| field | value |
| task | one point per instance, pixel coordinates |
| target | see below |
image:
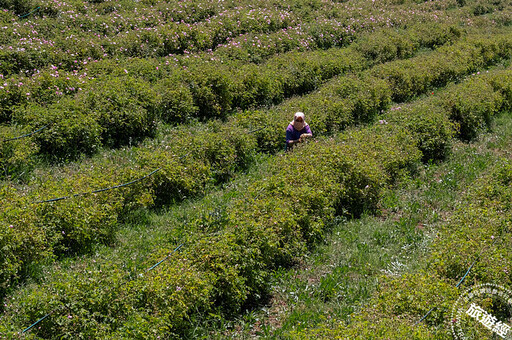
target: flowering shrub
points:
(472, 106)
(409, 78)
(71, 130)
(11, 95)
(21, 240)
(428, 123)
(124, 107)
(501, 82)
(175, 102)
(20, 7)
(16, 156)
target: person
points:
(297, 131)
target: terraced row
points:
(206, 89)
(226, 263)
(193, 158)
(120, 108)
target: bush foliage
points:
(224, 78)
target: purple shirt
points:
(293, 134)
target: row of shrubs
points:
(381, 46)
(230, 149)
(217, 85)
(215, 154)
(268, 224)
(106, 238)
(139, 36)
(130, 31)
(356, 89)
(227, 268)
(351, 99)
(128, 108)
(476, 236)
(189, 162)
(151, 32)
(219, 168)
(214, 100)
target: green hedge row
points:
(178, 38)
(172, 183)
(209, 156)
(264, 228)
(216, 154)
(128, 107)
(189, 162)
(384, 49)
(110, 112)
(268, 224)
(196, 88)
(161, 30)
(212, 155)
(141, 32)
(409, 78)
(461, 110)
(354, 99)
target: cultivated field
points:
(146, 194)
